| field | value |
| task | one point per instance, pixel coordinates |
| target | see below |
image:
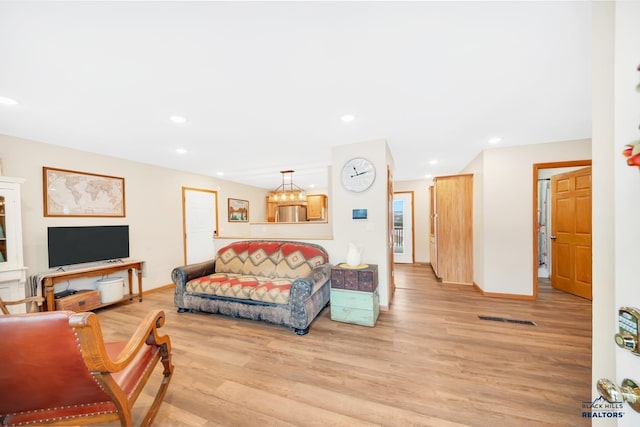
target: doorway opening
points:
(403, 236)
(541, 235)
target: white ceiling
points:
(264, 84)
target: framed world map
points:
(72, 193)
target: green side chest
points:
(361, 308)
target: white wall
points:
(370, 234)
(154, 208)
(153, 204)
(476, 167)
(505, 220)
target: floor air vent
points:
(504, 319)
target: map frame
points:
(115, 208)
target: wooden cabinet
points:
(355, 279)
(360, 308)
(272, 208)
(13, 274)
(451, 219)
(317, 207)
(354, 294)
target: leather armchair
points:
(56, 369)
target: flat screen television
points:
(77, 245)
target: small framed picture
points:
(238, 210)
(359, 214)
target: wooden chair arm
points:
(87, 328)
(32, 304)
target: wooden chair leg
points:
(167, 373)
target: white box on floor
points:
(110, 289)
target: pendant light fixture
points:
(287, 192)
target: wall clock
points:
(358, 174)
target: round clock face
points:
(358, 174)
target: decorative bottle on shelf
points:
(354, 255)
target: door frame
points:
(184, 215)
(534, 224)
(391, 274)
(412, 209)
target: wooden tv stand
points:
(50, 279)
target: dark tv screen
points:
(77, 245)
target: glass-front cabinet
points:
(12, 269)
(3, 226)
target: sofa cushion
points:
(298, 260)
(276, 291)
(262, 259)
(231, 258)
(240, 286)
(206, 284)
(237, 287)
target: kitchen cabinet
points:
(317, 207)
(272, 208)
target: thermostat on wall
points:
(359, 214)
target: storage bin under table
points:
(81, 301)
(354, 294)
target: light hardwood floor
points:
(429, 361)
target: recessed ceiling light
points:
(220, 173)
(178, 119)
(5, 100)
(433, 162)
(181, 151)
(348, 118)
(495, 140)
(428, 175)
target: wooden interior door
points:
(571, 232)
(200, 224)
(454, 228)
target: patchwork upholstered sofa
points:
(281, 282)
